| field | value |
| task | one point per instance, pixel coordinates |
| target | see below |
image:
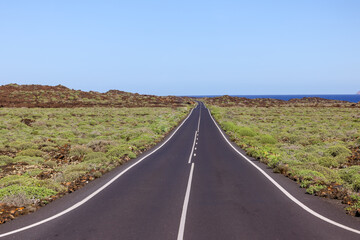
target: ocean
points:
(343, 97)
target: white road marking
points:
(192, 149)
(185, 206)
(198, 128)
(194, 154)
(292, 198)
(95, 192)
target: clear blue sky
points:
(183, 47)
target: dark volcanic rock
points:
(14, 95)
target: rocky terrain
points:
(229, 101)
(13, 95)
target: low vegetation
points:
(14, 95)
(316, 146)
(229, 101)
(45, 153)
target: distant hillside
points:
(229, 101)
(14, 95)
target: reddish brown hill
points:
(228, 101)
(14, 95)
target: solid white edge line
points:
(292, 198)
(95, 192)
(192, 149)
(185, 206)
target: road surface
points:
(194, 185)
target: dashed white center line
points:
(187, 194)
(198, 128)
(185, 206)
(192, 149)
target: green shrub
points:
(5, 160)
(30, 153)
(72, 172)
(50, 164)
(116, 153)
(97, 174)
(29, 160)
(241, 131)
(328, 162)
(79, 150)
(71, 176)
(23, 145)
(329, 174)
(33, 172)
(52, 185)
(356, 183)
(99, 145)
(267, 139)
(29, 192)
(307, 174)
(94, 155)
(305, 156)
(348, 173)
(18, 180)
(338, 150)
(98, 162)
(143, 141)
(92, 122)
(315, 188)
(351, 175)
(245, 131)
(49, 149)
(274, 160)
(18, 199)
(229, 126)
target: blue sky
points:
(183, 47)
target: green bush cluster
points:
(29, 192)
(79, 150)
(5, 160)
(116, 153)
(29, 160)
(99, 138)
(240, 130)
(267, 139)
(313, 143)
(351, 175)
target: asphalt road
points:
(195, 186)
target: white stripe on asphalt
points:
(199, 120)
(192, 149)
(292, 198)
(185, 206)
(97, 191)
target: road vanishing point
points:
(195, 184)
